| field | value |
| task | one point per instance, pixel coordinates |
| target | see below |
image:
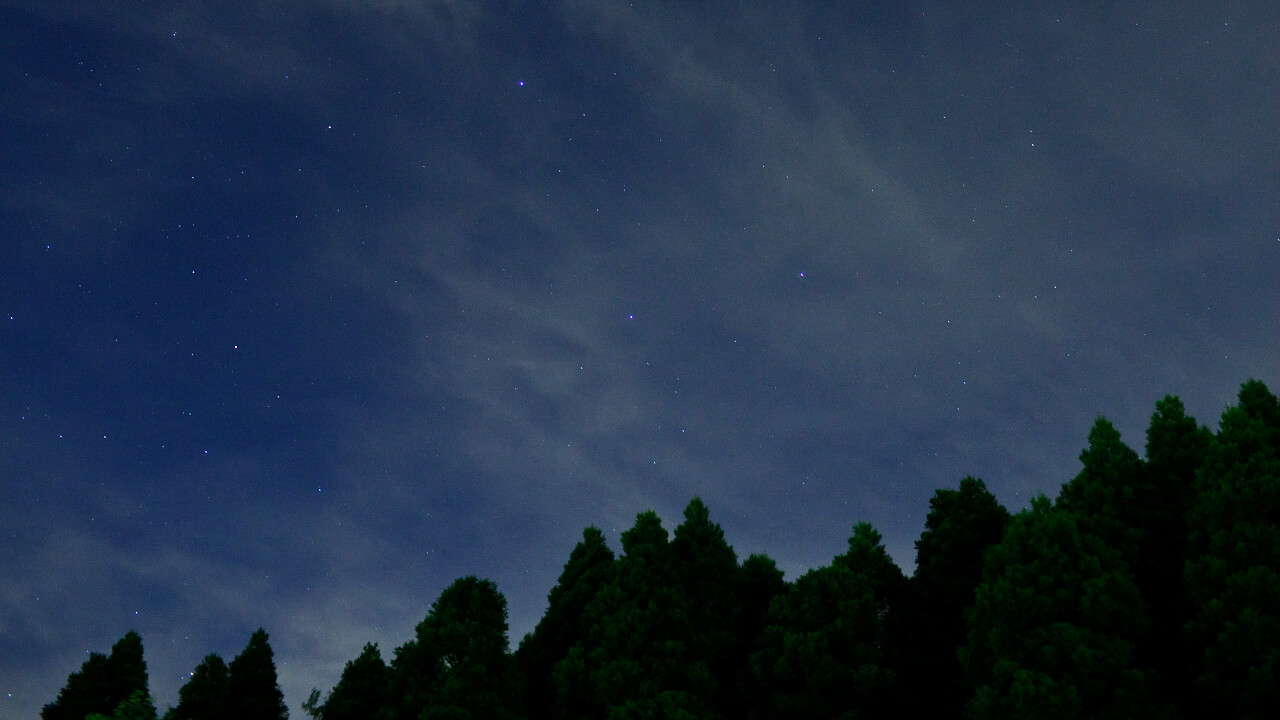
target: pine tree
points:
(706, 568)
(960, 526)
(361, 692)
(207, 694)
(635, 660)
(103, 682)
(822, 653)
(1176, 448)
(1053, 626)
(1233, 574)
(252, 688)
(589, 568)
(760, 583)
(137, 706)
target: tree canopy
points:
(1148, 588)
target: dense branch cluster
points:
(1149, 588)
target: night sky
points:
(308, 308)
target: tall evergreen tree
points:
(824, 651)
(253, 693)
(961, 525)
(1136, 509)
(760, 583)
(361, 692)
(706, 568)
(1053, 626)
(590, 567)
(1233, 574)
(207, 694)
(1176, 448)
(103, 682)
(867, 556)
(635, 661)
(1106, 496)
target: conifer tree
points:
(962, 523)
(706, 568)
(1176, 448)
(1053, 626)
(760, 583)
(1108, 495)
(253, 693)
(103, 683)
(1233, 574)
(361, 692)
(635, 660)
(824, 651)
(822, 654)
(207, 694)
(589, 568)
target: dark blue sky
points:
(309, 308)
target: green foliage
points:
(1106, 496)
(1233, 572)
(206, 695)
(104, 683)
(457, 665)
(1150, 589)
(821, 655)
(1053, 625)
(253, 693)
(1176, 449)
(961, 525)
(867, 557)
(361, 692)
(589, 568)
(313, 706)
(137, 706)
(639, 656)
(706, 568)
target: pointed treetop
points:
(645, 535)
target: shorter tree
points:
(206, 695)
(361, 692)
(103, 683)
(821, 655)
(457, 666)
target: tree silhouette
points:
(361, 692)
(589, 568)
(253, 693)
(458, 666)
(960, 526)
(103, 683)
(1052, 629)
(206, 695)
(636, 659)
(1233, 574)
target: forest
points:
(1148, 588)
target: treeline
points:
(114, 687)
(1149, 588)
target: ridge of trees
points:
(1149, 588)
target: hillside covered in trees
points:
(1148, 588)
